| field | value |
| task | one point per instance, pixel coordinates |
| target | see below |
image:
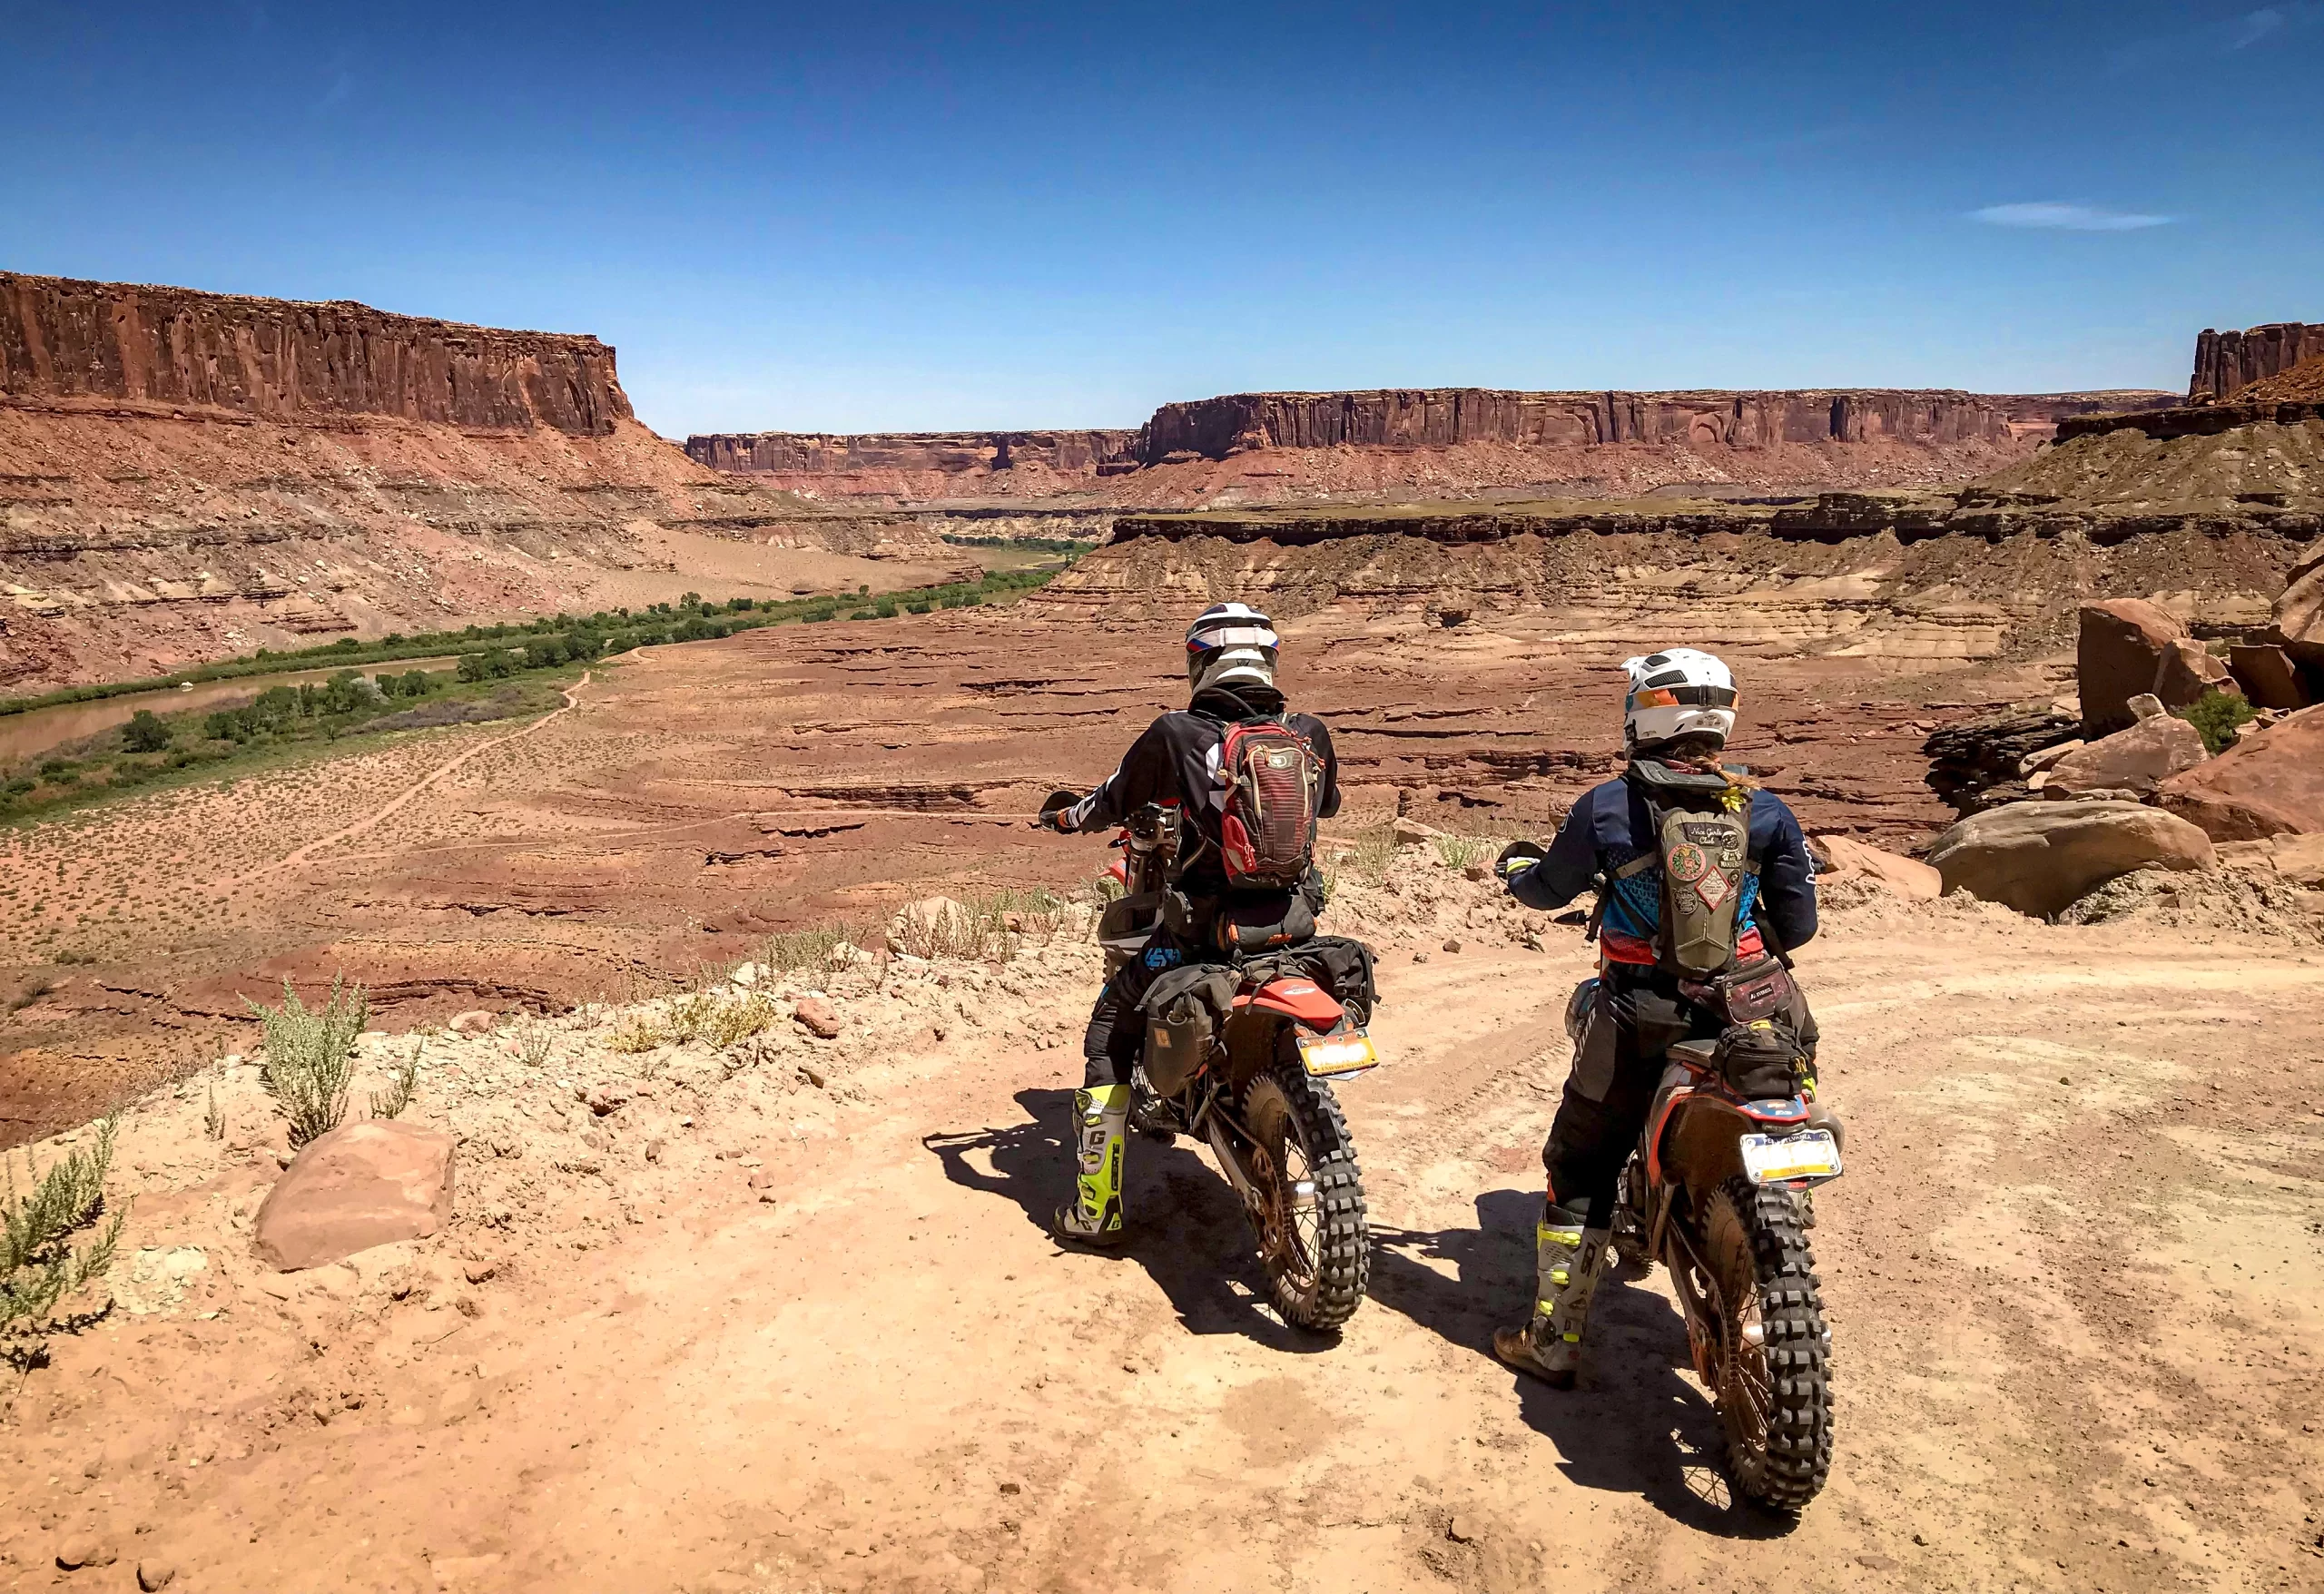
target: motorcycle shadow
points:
(1636, 1423)
(1188, 1228)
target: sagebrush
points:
(402, 1087)
(1460, 851)
(309, 1057)
(39, 1263)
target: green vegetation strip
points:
(691, 619)
(505, 671)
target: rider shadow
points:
(1635, 1424)
(1189, 1231)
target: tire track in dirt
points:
(572, 701)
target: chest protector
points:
(1702, 846)
(1274, 782)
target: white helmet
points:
(1680, 692)
(1231, 644)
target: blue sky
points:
(872, 216)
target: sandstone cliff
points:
(188, 476)
(1431, 443)
(2227, 362)
(173, 348)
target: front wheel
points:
(1773, 1360)
(1310, 1222)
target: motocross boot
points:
(1569, 1259)
(1100, 1129)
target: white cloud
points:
(2254, 26)
(2058, 215)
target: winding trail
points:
(571, 702)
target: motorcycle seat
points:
(1695, 1054)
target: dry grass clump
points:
(1368, 856)
(637, 1034)
(984, 924)
(39, 1265)
(719, 1021)
(1460, 851)
(309, 1055)
(402, 1087)
(810, 950)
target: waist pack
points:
(1261, 924)
(1761, 1060)
(1762, 988)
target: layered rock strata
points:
(2227, 361)
(1424, 443)
(188, 476)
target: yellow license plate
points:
(1328, 1056)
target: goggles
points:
(1687, 696)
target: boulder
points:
(1411, 832)
(817, 1017)
(2033, 763)
(362, 1184)
(2120, 647)
(1843, 858)
(2188, 671)
(2269, 783)
(475, 1021)
(2040, 858)
(2137, 760)
(2299, 612)
(2266, 674)
(2299, 859)
(2146, 706)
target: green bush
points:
(145, 733)
(2215, 715)
(310, 1054)
(38, 1264)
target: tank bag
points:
(1273, 782)
(1705, 858)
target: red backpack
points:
(1274, 780)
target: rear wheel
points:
(1310, 1220)
(1772, 1372)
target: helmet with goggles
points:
(1678, 693)
(1231, 645)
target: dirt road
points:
(773, 1336)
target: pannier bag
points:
(1761, 1060)
(1274, 784)
(1177, 1040)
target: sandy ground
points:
(705, 795)
(751, 1333)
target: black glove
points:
(1055, 811)
(1515, 860)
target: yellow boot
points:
(1568, 1259)
(1100, 1125)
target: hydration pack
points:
(1273, 782)
(1702, 846)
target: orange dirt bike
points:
(1716, 1191)
(1256, 1088)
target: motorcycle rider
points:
(1677, 718)
(1231, 655)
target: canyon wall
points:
(2226, 361)
(172, 348)
(185, 477)
(1432, 443)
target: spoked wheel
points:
(1310, 1219)
(1770, 1370)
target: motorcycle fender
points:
(1699, 1146)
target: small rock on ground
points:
(818, 1017)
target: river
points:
(37, 731)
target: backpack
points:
(1273, 782)
(1702, 848)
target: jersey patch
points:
(1164, 956)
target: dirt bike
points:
(1255, 1090)
(1716, 1191)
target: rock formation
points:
(2226, 362)
(2269, 783)
(2040, 858)
(1434, 443)
(187, 476)
(75, 346)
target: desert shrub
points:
(916, 608)
(310, 1055)
(402, 1086)
(637, 1034)
(57, 769)
(2215, 715)
(1371, 854)
(810, 951)
(863, 614)
(39, 1265)
(145, 733)
(533, 1046)
(988, 924)
(1460, 851)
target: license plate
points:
(1328, 1056)
(1811, 1154)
